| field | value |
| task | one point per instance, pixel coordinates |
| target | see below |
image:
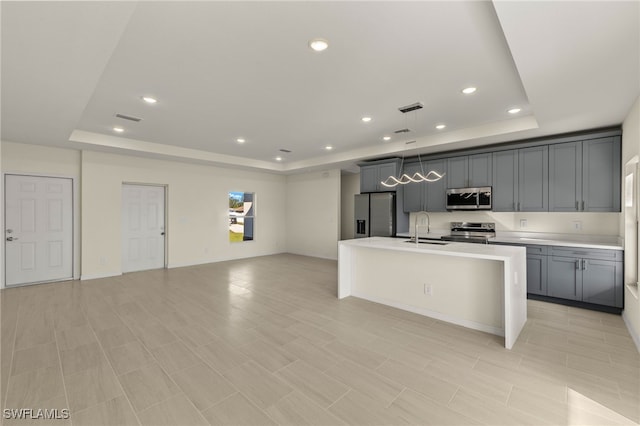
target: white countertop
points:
(477, 251)
(605, 242)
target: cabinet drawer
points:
(543, 250)
(586, 253)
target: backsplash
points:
(562, 223)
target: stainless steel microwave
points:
(469, 198)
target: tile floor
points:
(265, 341)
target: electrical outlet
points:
(577, 225)
(523, 223)
(427, 289)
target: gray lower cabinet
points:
(602, 282)
(586, 275)
(425, 196)
(565, 278)
(537, 270)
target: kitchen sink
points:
(436, 243)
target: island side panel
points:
(345, 268)
(464, 291)
(516, 298)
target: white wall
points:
(592, 223)
(197, 210)
(349, 186)
(38, 160)
(313, 213)
(630, 149)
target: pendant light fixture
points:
(431, 176)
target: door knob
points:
(162, 233)
(12, 238)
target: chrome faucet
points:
(415, 224)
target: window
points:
(241, 216)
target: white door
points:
(38, 229)
(142, 227)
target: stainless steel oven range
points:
(471, 232)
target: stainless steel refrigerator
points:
(375, 215)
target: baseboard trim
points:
(187, 264)
(632, 331)
(98, 276)
(433, 314)
(575, 304)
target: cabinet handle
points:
(584, 265)
(518, 205)
(582, 205)
(578, 264)
(577, 205)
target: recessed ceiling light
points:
(240, 140)
(514, 110)
(328, 147)
(149, 99)
(386, 138)
(441, 126)
(468, 90)
(118, 129)
(318, 44)
(278, 158)
(366, 119)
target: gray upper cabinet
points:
(469, 171)
(520, 180)
(585, 176)
(568, 176)
(427, 196)
(565, 177)
(533, 179)
(372, 174)
(368, 179)
(414, 194)
(601, 174)
(505, 180)
(458, 172)
(480, 170)
(436, 191)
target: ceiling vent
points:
(285, 150)
(402, 131)
(413, 107)
(129, 117)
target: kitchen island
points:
(478, 286)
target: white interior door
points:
(38, 229)
(142, 227)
